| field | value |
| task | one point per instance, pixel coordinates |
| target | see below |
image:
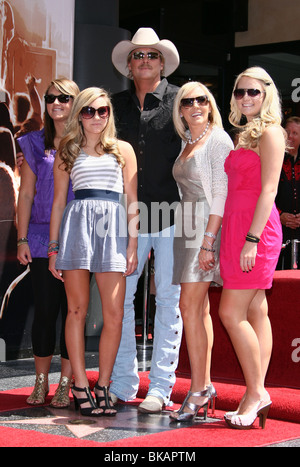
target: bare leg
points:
(112, 292)
(194, 307)
(77, 285)
(233, 311)
(259, 320)
(66, 369)
(210, 338)
(42, 365)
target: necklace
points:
(190, 141)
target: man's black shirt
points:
(156, 144)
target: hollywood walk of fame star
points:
(77, 426)
(127, 419)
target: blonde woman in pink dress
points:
(252, 236)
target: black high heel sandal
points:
(86, 411)
(105, 398)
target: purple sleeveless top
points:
(41, 163)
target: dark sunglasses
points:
(62, 98)
(189, 101)
(142, 55)
(239, 93)
(90, 112)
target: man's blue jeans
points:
(167, 327)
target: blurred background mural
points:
(36, 46)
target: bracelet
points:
(52, 253)
(53, 248)
(53, 242)
(207, 249)
(252, 238)
(211, 235)
(210, 244)
(22, 241)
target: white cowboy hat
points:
(145, 37)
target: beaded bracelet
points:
(53, 248)
(252, 238)
(206, 241)
(207, 249)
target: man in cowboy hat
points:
(144, 119)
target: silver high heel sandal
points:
(213, 396)
(181, 416)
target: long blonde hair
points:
(270, 112)
(74, 137)
(179, 123)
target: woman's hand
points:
(24, 255)
(206, 260)
(248, 256)
(57, 273)
(132, 260)
(20, 159)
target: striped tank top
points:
(101, 173)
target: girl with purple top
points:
(34, 211)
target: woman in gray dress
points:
(199, 172)
(92, 234)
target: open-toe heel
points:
(86, 411)
(213, 396)
(40, 391)
(108, 407)
(182, 416)
(61, 399)
(246, 422)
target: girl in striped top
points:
(90, 235)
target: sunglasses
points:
(90, 112)
(239, 93)
(142, 55)
(189, 101)
(62, 98)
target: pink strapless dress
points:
(244, 186)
